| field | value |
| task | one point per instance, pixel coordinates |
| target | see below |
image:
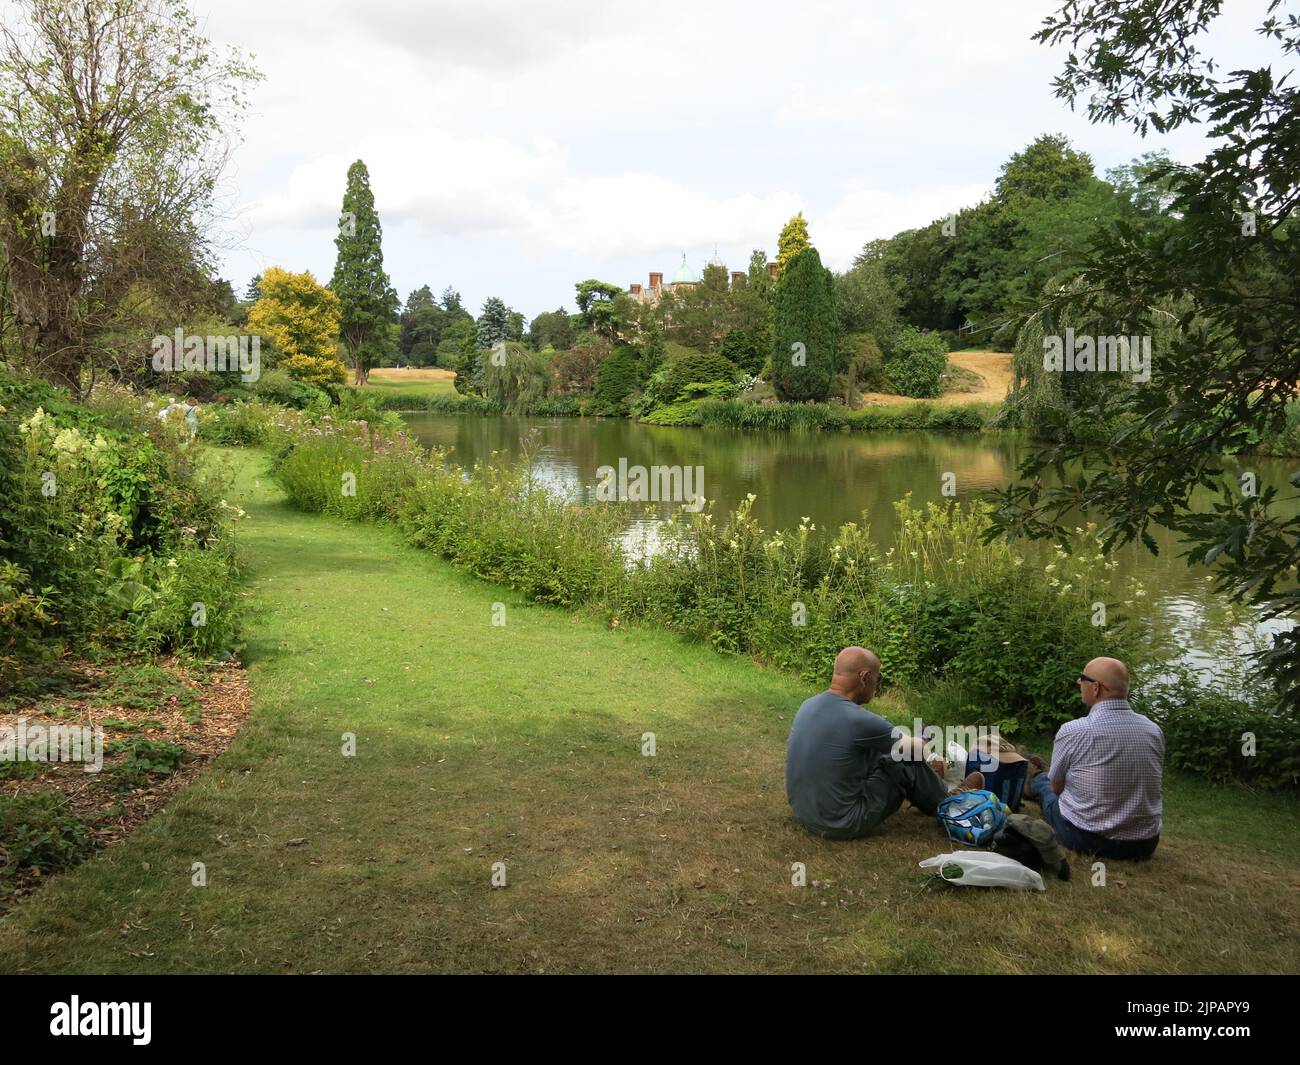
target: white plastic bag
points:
(986, 869)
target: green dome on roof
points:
(684, 274)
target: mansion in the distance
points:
(685, 278)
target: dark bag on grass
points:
(1031, 842)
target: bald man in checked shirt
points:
(1101, 794)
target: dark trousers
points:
(889, 783)
(1078, 839)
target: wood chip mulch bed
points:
(200, 706)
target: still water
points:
(834, 478)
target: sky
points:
(517, 148)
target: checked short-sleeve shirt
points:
(1111, 762)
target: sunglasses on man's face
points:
(1090, 680)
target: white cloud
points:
(490, 34)
(477, 187)
(869, 214)
(515, 147)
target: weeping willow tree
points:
(1036, 398)
(514, 377)
(1045, 398)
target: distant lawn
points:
(521, 744)
(412, 383)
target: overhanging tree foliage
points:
(1228, 266)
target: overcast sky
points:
(515, 148)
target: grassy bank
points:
(910, 416)
(521, 743)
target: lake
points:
(834, 478)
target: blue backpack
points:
(973, 818)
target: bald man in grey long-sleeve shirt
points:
(840, 776)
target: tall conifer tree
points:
(803, 361)
(366, 297)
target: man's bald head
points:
(857, 672)
(855, 660)
(1107, 678)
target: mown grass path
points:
(521, 744)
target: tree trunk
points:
(58, 358)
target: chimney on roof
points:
(737, 278)
(771, 271)
(634, 289)
(656, 280)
